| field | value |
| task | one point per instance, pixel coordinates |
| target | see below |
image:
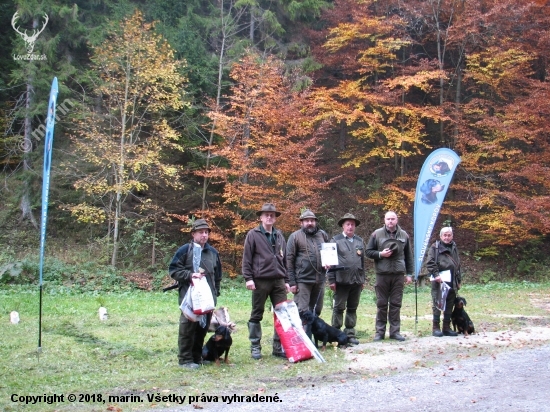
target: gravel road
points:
(505, 371)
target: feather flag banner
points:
(48, 145)
(433, 181)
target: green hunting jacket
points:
(303, 257)
(351, 255)
(401, 262)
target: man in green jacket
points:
(348, 281)
(264, 271)
(443, 264)
(303, 261)
(391, 251)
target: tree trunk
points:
(153, 248)
(116, 229)
(119, 174)
(218, 98)
(25, 205)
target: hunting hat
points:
(268, 207)
(200, 224)
(308, 214)
(392, 246)
(348, 216)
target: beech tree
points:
(372, 99)
(122, 135)
(504, 142)
(269, 146)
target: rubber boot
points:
(277, 347)
(447, 331)
(255, 336)
(436, 330)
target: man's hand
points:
(288, 288)
(250, 285)
(332, 287)
(386, 253)
(408, 281)
(293, 289)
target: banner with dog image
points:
(48, 146)
(434, 179)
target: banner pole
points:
(415, 304)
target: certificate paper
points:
(445, 275)
(329, 254)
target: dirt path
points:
(489, 371)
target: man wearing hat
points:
(191, 334)
(391, 251)
(349, 280)
(264, 271)
(303, 262)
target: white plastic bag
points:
(201, 295)
(186, 307)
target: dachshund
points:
(429, 191)
(461, 321)
(322, 331)
(218, 344)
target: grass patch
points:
(135, 350)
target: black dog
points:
(322, 331)
(218, 344)
(429, 191)
(461, 321)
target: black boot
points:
(277, 346)
(436, 329)
(447, 329)
(255, 336)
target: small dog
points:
(322, 331)
(461, 321)
(218, 344)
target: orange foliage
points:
(269, 149)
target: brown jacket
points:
(260, 259)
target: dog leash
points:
(317, 300)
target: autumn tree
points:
(371, 102)
(504, 139)
(124, 131)
(269, 149)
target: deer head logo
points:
(29, 40)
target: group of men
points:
(273, 267)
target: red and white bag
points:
(297, 345)
(201, 296)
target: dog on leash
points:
(322, 331)
(218, 345)
(460, 319)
